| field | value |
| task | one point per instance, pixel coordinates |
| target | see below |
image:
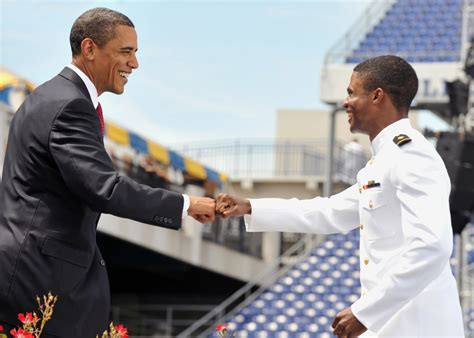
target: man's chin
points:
(118, 91)
(354, 130)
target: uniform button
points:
(371, 161)
(171, 221)
(102, 262)
(156, 219)
(361, 227)
(360, 190)
(371, 204)
(366, 261)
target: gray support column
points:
(327, 190)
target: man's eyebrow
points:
(128, 49)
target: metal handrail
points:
(134, 313)
(265, 158)
(263, 280)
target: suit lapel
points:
(69, 74)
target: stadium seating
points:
(304, 302)
(420, 31)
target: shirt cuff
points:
(185, 205)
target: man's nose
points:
(345, 103)
(133, 63)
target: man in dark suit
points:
(58, 179)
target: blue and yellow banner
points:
(10, 83)
(166, 156)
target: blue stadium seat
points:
(304, 302)
(416, 26)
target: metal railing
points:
(245, 295)
(259, 158)
(145, 320)
(231, 233)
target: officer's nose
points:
(345, 103)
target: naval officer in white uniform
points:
(399, 203)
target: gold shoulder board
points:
(401, 139)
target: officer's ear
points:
(377, 95)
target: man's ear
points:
(377, 95)
(88, 48)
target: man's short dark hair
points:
(394, 75)
(97, 24)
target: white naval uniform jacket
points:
(400, 203)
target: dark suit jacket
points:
(57, 179)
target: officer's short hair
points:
(97, 24)
(394, 75)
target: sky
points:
(209, 70)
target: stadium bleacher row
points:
(303, 303)
(423, 31)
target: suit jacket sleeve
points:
(422, 188)
(338, 213)
(77, 148)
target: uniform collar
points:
(389, 132)
(89, 85)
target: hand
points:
(347, 325)
(228, 205)
(202, 209)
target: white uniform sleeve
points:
(422, 188)
(337, 213)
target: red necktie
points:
(101, 118)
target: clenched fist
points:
(347, 325)
(202, 209)
(228, 205)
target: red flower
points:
(21, 334)
(221, 327)
(122, 331)
(26, 319)
(1, 328)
